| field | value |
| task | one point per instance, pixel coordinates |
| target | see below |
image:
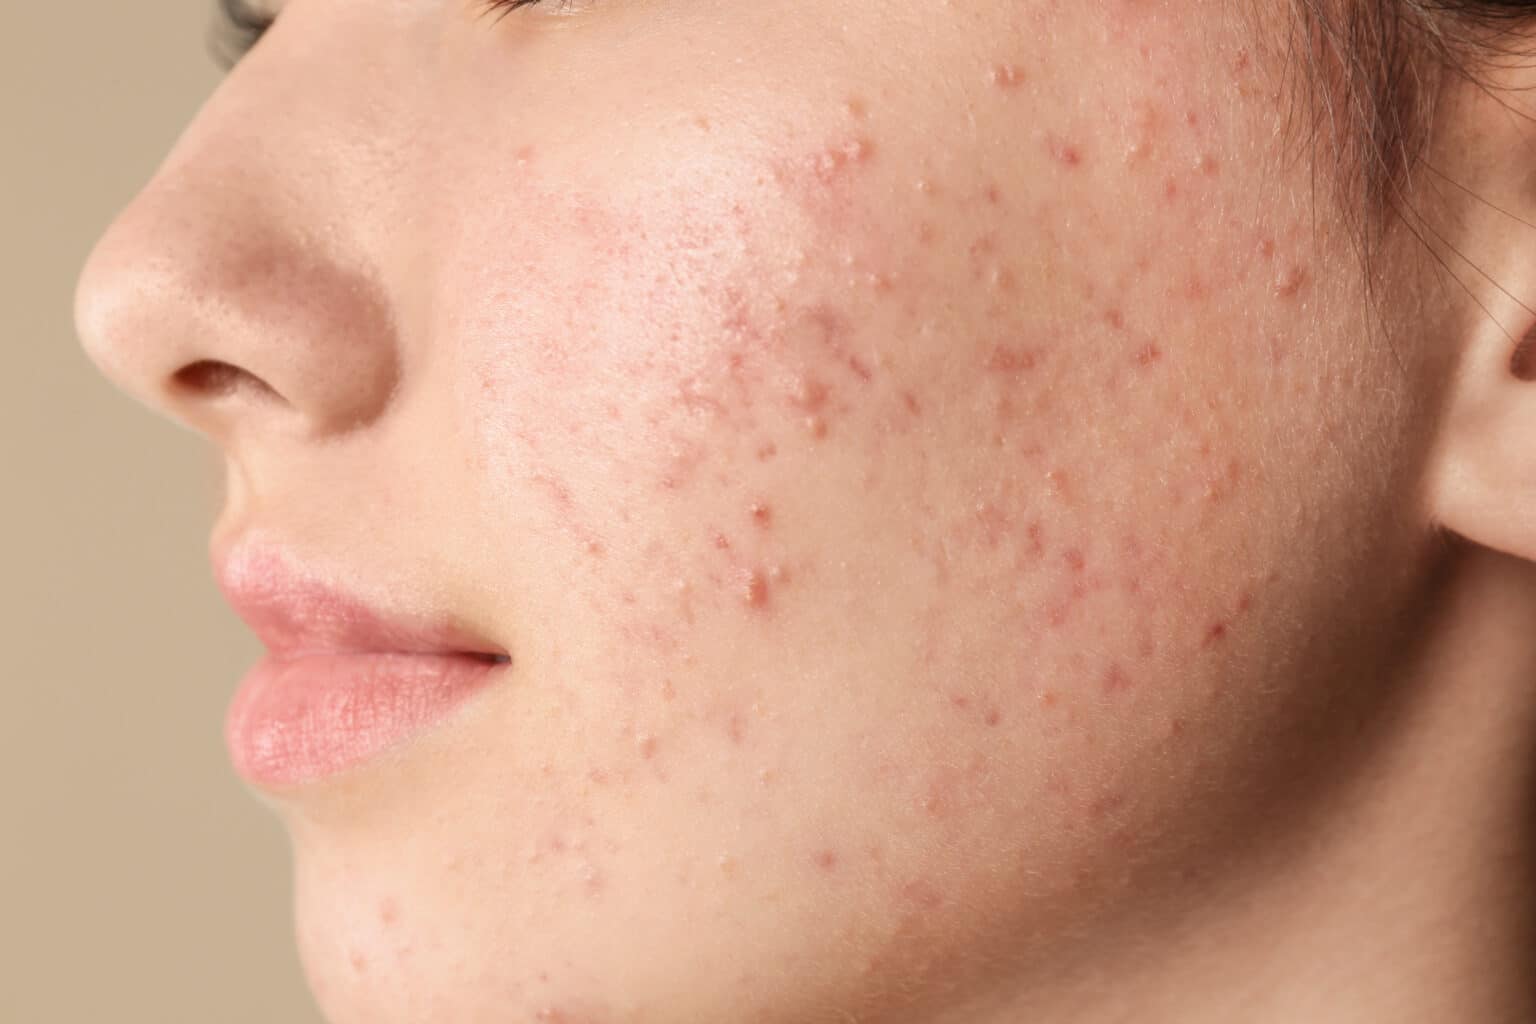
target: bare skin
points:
(971, 548)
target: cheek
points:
(861, 491)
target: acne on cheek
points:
(796, 368)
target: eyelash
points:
(244, 27)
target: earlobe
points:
(1482, 484)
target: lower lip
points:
(297, 720)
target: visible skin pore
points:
(970, 546)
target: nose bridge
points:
(237, 292)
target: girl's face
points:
(923, 459)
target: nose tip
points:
(231, 326)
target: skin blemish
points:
(1116, 680)
(766, 451)
(1209, 166)
(647, 747)
(1215, 634)
(859, 368)
(825, 860)
(910, 402)
(1074, 559)
(359, 963)
(1067, 154)
(1290, 281)
(993, 718)
(1006, 76)
(722, 542)
(1115, 318)
(752, 587)
(959, 701)
(1170, 190)
(834, 162)
(809, 393)
(1012, 360)
(856, 108)
(1103, 806)
(389, 912)
(1049, 699)
(1059, 484)
(761, 514)
(816, 426)
(1148, 354)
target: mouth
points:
(345, 680)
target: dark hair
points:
(1375, 71)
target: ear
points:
(1482, 484)
(1482, 165)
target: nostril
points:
(210, 378)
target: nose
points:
(227, 294)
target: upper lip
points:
(294, 613)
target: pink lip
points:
(342, 682)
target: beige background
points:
(140, 882)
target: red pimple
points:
(826, 860)
(1289, 281)
(816, 427)
(1115, 318)
(1215, 634)
(1059, 483)
(647, 747)
(859, 368)
(762, 514)
(909, 400)
(959, 700)
(1074, 559)
(1012, 359)
(1148, 355)
(809, 393)
(1065, 153)
(994, 195)
(1006, 76)
(767, 451)
(1170, 189)
(1209, 166)
(722, 542)
(1244, 602)
(1116, 680)
(389, 912)
(1049, 699)
(993, 717)
(754, 589)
